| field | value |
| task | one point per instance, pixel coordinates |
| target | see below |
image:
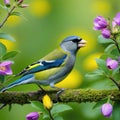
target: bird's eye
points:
(76, 40)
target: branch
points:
(8, 15)
(69, 95)
(10, 11)
(116, 43)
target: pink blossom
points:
(111, 64)
(5, 68)
(32, 116)
(100, 23)
(116, 20)
(7, 2)
(106, 33)
(106, 109)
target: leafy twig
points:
(113, 80)
(8, 15)
(116, 43)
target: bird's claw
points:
(58, 93)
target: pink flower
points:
(106, 33)
(106, 109)
(32, 116)
(5, 68)
(114, 23)
(116, 20)
(7, 2)
(100, 23)
(111, 64)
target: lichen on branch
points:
(69, 95)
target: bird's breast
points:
(58, 73)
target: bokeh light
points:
(91, 42)
(9, 44)
(13, 21)
(40, 8)
(73, 80)
(101, 7)
(89, 64)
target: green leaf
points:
(1, 6)
(58, 118)
(109, 48)
(116, 111)
(116, 71)
(97, 74)
(4, 7)
(16, 13)
(45, 116)
(115, 52)
(100, 103)
(103, 40)
(39, 106)
(102, 65)
(3, 49)
(58, 108)
(6, 37)
(2, 78)
(10, 107)
(10, 54)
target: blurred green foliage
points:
(43, 25)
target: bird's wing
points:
(43, 65)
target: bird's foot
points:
(59, 93)
(2, 105)
(43, 90)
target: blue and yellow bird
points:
(52, 68)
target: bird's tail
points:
(23, 80)
(7, 87)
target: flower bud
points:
(100, 23)
(7, 3)
(106, 33)
(107, 109)
(111, 64)
(20, 1)
(47, 102)
(23, 5)
(32, 116)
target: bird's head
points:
(72, 43)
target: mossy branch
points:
(69, 95)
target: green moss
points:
(69, 95)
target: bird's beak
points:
(81, 43)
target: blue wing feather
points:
(44, 65)
(17, 82)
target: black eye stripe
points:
(76, 40)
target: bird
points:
(52, 68)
